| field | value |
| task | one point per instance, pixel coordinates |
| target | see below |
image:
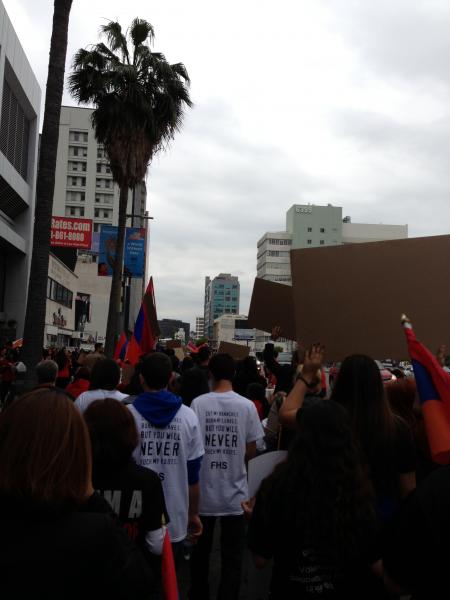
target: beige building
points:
(62, 284)
(233, 329)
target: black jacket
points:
(69, 554)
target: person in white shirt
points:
(105, 378)
(231, 429)
(171, 445)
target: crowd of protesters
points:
(100, 461)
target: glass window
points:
(322, 230)
(96, 212)
(322, 242)
(309, 229)
(309, 242)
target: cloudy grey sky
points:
(340, 101)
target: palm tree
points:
(45, 187)
(139, 101)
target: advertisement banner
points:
(107, 250)
(71, 232)
(134, 252)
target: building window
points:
(309, 229)
(96, 227)
(322, 230)
(309, 242)
(322, 242)
(81, 209)
(96, 213)
(59, 293)
(14, 131)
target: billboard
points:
(133, 251)
(71, 232)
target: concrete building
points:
(221, 297)
(20, 100)
(199, 327)
(234, 329)
(62, 286)
(84, 188)
(311, 226)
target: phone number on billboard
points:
(65, 235)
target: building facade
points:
(199, 327)
(62, 286)
(221, 297)
(233, 329)
(20, 100)
(84, 188)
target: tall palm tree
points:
(139, 101)
(45, 187)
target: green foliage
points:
(139, 98)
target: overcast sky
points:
(296, 101)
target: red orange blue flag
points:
(433, 387)
(121, 347)
(146, 328)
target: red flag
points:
(121, 347)
(168, 574)
(146, 328)
(433, 386)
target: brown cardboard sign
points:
(237, 351)
(272, 304)
(351, 297)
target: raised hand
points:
(313, 360)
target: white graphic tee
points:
(228, 422)
(166, 451)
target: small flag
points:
(17, 343)
(193, 349)
(121, 347)
(433, 386)
(168, 573)
(146, 328)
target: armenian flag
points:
(433, 386)
(168, 573)
(121, 347)
(146, 328)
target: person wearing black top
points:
(315, 515)
(416, 553)
(134, 493)
(285, 374)
(58, 539)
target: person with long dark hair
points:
(63, 362)
(315, 515)
(384, 438)
(58, 539)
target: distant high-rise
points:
(199, 327)
(221, 297)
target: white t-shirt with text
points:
(86, 398)
(228, 422)
(166, 451)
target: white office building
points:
(84, 188)
(199, 327)
(20, 100)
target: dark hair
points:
(105, 375)
(97, 346)
(82, 373)
(324, 495)
(113, 433)
(203, 354)
(401, 395)
(359, 388)
(45, 452)
(256, 391)
(222, 366)
(46, 371)
(193, 383)
(156, 370)
(187, 363)
(61, 358)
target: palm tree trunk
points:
(45, 186)
(116, 284)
